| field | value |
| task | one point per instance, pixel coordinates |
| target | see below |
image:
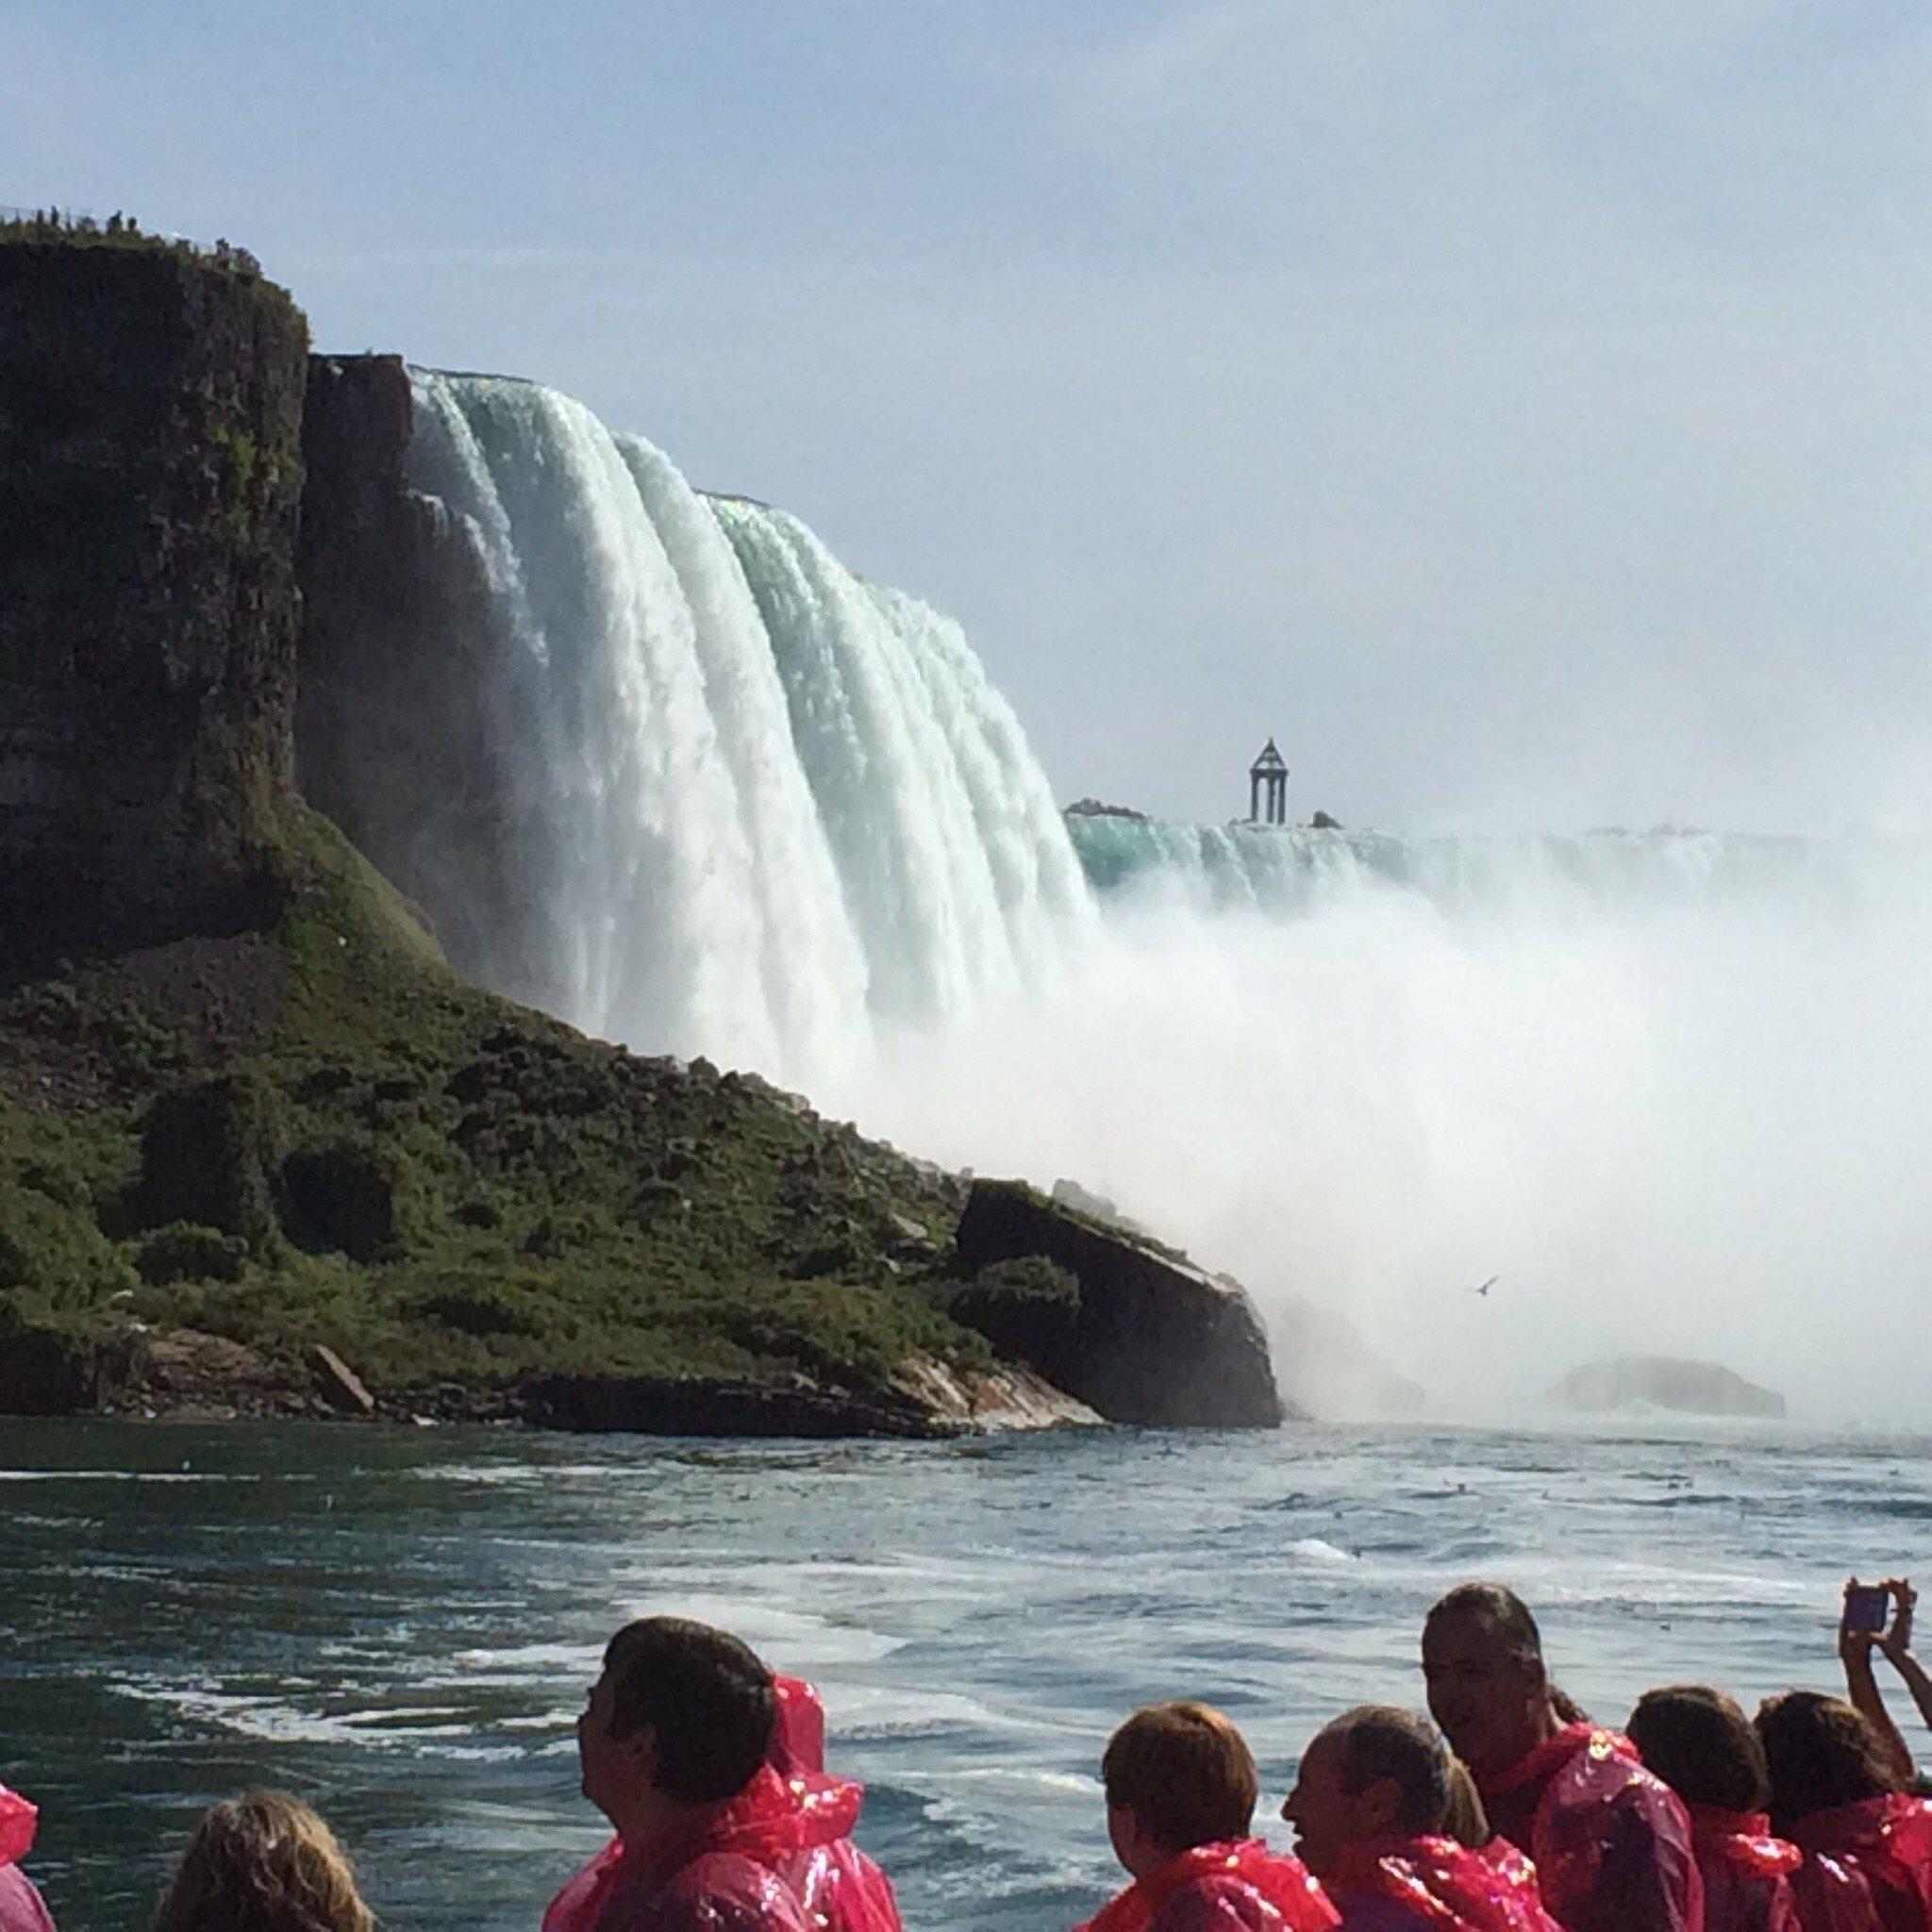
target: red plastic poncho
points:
(723, 1876)
(1439, 1884)
(20, 1910)
(793, 1819)
(1612, 1843)
(1237, 1885)
(841, 1888)
(1868, 1867)
(1746, 1872)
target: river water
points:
(400, 1626)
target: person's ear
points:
(640, 1752)
(1379, 1807)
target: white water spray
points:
(1672, 1091)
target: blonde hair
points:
(1465, 1820)
(263, 1862)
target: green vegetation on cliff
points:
(316, 1133)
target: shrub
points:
(1028, 1309)
(182, 1252)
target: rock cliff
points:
(150, 471)
(1148, 1338)
(393, 736)
(1687, 1388)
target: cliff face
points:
(150, 475)
(1148, 1338)
(393, 726)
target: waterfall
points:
(707, 790)
(775, 813)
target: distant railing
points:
(117, 230)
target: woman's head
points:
(1702, 1745)
(1821, 1754)
(263, 1863)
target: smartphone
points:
(1867, 1605)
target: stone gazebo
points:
(1268, 786)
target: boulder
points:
(342, 1386)
(1667, 1382)
(1151, 1339)
(688, 1406)
(41, 1373)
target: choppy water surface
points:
(401, 1627)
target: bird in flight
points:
(1487, 1285)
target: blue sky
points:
(1520, 410)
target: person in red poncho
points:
(674, 1743)
(1702, 1745)
(1180, 1796)
(20, 1910)
(841, 1887)
(1612, 1843)
(1370, 1807)
(1835, 1794)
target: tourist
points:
(1702, 1745)
(20, 1910)
(838, 1886)
(1894, 1644)
(1610, 1842)
(1837, 1795)
(1370, 1810)
(263, 1863)
(1180, 1799)
(673, 1744)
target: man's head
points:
(681, 1715)
(1483, 1664)
(1176, 1775)
(1374, 1772)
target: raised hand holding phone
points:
(1866, 1607)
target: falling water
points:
(788, 812)
(1670, 1087)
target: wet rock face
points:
(1150, 1339)
(395, 736)
(150, 477)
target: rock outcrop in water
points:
(150, 469)
(1685, 1388)
(1148, 1338)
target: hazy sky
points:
(1522, 410)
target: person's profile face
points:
(1322, 1810)
(599, 1755)
(1481, 1693)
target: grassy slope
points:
(512, 1197)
